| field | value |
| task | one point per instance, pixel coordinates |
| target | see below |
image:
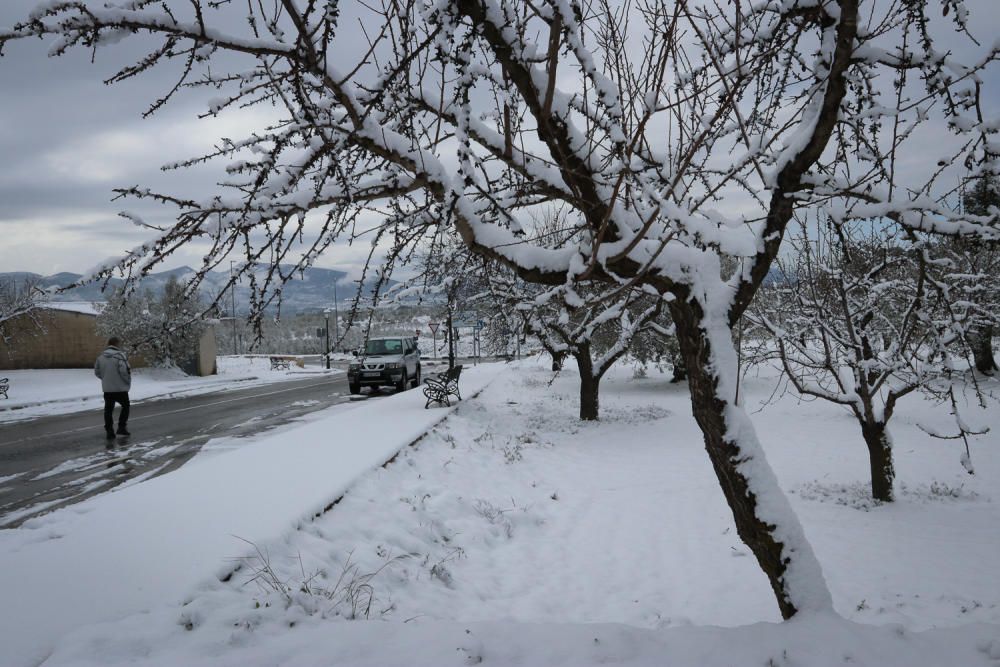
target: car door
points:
(412, 356)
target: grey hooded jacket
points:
(112, 367)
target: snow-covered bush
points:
(166, 329)
(19, 310)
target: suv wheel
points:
(355, 388)
(416, 378)
(402, 382)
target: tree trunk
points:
(764, 519)
(589, 385)
(880, 458)
(557, 360)
(981, 341)
(680, 372)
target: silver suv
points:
(392, 360)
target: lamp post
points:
(326, 347)
(451, 342)
(336, 315)
(232, 294)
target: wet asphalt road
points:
(55, 461)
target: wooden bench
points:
(438, 388)
(280, 363)
(4, 386)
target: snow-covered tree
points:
(657, 344)
(857, 322)
(166, 329)
(463, 117)
(973, 270)
(19, 302)
(594, 327)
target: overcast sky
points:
(67, 140)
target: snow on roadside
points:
(41, 392)
(153, 543)
(513, 534)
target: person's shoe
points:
(123, 431)
(110, 434)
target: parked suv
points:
(392, 360)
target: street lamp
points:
(336, 315)
(326, 348)
(451, 340)
(232, 294)
(336, 323)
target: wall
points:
(66, 340)
(70, 340)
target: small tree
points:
(19, 302)
(167, 329)
(857, 323)
(656, 343)
(973, 270)
(595, 330)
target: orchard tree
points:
(596, 328)
(680, 137)
(165, 328)
(657, 343)
(857, 321)
(973, 269)
(19, 306)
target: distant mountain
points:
(313, 289)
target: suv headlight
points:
(354, 367)
(393, 365)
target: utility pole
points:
(232, 294)
(451, 341)
(327, 347)
(336, 318)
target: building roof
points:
(82, 307)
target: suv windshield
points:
(384, 346)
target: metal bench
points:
(437, 389)
(4, 386)
(280, 363)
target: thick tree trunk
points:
(589, 385)
(981, 341)
(764, 519)
(880, 459)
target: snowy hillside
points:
(313, 289)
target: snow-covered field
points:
(513, 534)
(36, 393)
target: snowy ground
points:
(36, 393)
(515, 535)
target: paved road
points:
(55, 461)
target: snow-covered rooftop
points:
(84, 307)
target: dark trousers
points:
(110, 398)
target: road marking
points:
(169, 412)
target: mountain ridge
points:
(312, 289)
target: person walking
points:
(116, 380)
